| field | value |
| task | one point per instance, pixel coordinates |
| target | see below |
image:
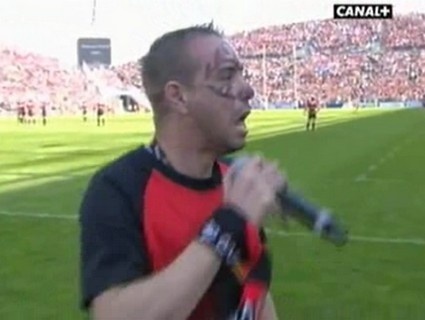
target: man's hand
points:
(252, 188)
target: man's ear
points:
(176, 96)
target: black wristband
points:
(225, 233)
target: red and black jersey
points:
(137, 216)
(312, 105)
(30, 110)
(21, 110)
(100, 110)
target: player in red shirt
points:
(100, 114)
(84, 112)
(31, 112)
(44, 113)
(21, 112)
(312, 108)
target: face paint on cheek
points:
(224, 91)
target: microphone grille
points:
(239, 163)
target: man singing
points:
(168, 231)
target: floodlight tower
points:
(93, 14)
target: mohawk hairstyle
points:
(168, 59)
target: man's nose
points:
(247, 93)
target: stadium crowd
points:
(334, 60)
(34, 81)
(337, 60)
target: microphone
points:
(317, 219)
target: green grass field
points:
(366, 166)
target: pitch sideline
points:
(279, 233)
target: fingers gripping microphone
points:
(315, 218)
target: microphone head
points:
(239, 162)
(328, 228)
(237, 165)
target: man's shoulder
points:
(132, 166)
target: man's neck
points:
(187, 159)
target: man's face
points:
(218, 102)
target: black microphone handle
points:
(303, 211)
(317, 219)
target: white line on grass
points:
(279, 233)
(413, 241)
(365, 176)
(362, 177)
(38, 215)
(372, 168)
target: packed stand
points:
(337, 60)
(33, 81)
(129, 74)
(334, 60)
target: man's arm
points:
(269, 312)
(114, 266)
(171, 294)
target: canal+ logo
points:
(363, 11)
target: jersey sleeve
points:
(111, 244)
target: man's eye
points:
(227, 74)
